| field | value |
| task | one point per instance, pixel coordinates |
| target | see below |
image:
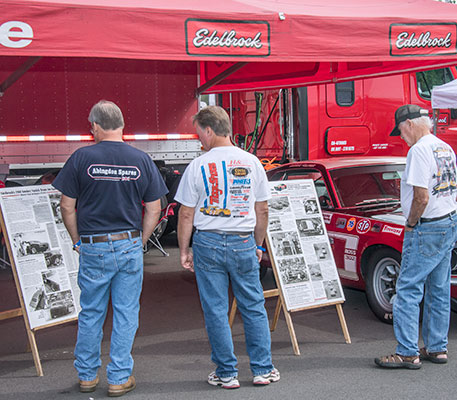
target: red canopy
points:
(241, 44)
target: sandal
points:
(399, 361)
(433, 357)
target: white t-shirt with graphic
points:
(430, 164)
(223, 185)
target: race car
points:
(215, 211)
(360, 202)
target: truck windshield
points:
(371, 186)
(426, 80)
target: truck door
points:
(346, 134)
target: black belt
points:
(106, 238)
(437, 218)
(241, 233)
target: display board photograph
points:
(299, 246)
(46, 265)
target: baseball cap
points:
(410, 111)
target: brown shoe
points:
(88, 386)
(120, 390)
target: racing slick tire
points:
(381, 278)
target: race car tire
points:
(381, 277)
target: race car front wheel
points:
(381, 278)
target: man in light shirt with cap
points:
(428, 194)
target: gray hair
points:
(421, 122)
(106, 114)
(214, 117)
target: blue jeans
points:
(220, 259)
(106, 268)
(426, 262)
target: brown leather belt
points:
(106, 238)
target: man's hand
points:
(187, 260)
(185, 224)
(259, 254)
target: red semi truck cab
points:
(344, 119)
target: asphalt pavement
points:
(172, 354)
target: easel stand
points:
(287, 314)
(288, 318)
(22, 310)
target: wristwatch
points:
(409, 225)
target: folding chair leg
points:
(155, 242)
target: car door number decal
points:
(351, 243)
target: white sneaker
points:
(230, 382)
(266, 379)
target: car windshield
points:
(368, 186)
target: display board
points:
(43, 260)
(300, 248)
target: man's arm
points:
(260, 230)
(420, 201)
(150, 218)
(68, 210)
(185, 225)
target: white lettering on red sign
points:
(363, 226)
(393, 230)
(327, 217)
(338, 142)
(442, 119)
(204, 38)
(404, 40)
(15, 34)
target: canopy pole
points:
(220, 77)
(436, 113)
(31, 61)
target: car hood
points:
(393, 218)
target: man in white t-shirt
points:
(428, 194)
(224, 194)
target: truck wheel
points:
(381, 278)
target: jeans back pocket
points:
(92, 262)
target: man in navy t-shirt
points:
(103, 187)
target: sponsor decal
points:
(113, 172)
(341, 223)
(363, 226)
(240, 171)
(351, 224)
(423, 39)
(205, 37)
(376, 227)
(392, 229)
(327, 217)
(15, 34)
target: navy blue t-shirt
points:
(109, 181)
